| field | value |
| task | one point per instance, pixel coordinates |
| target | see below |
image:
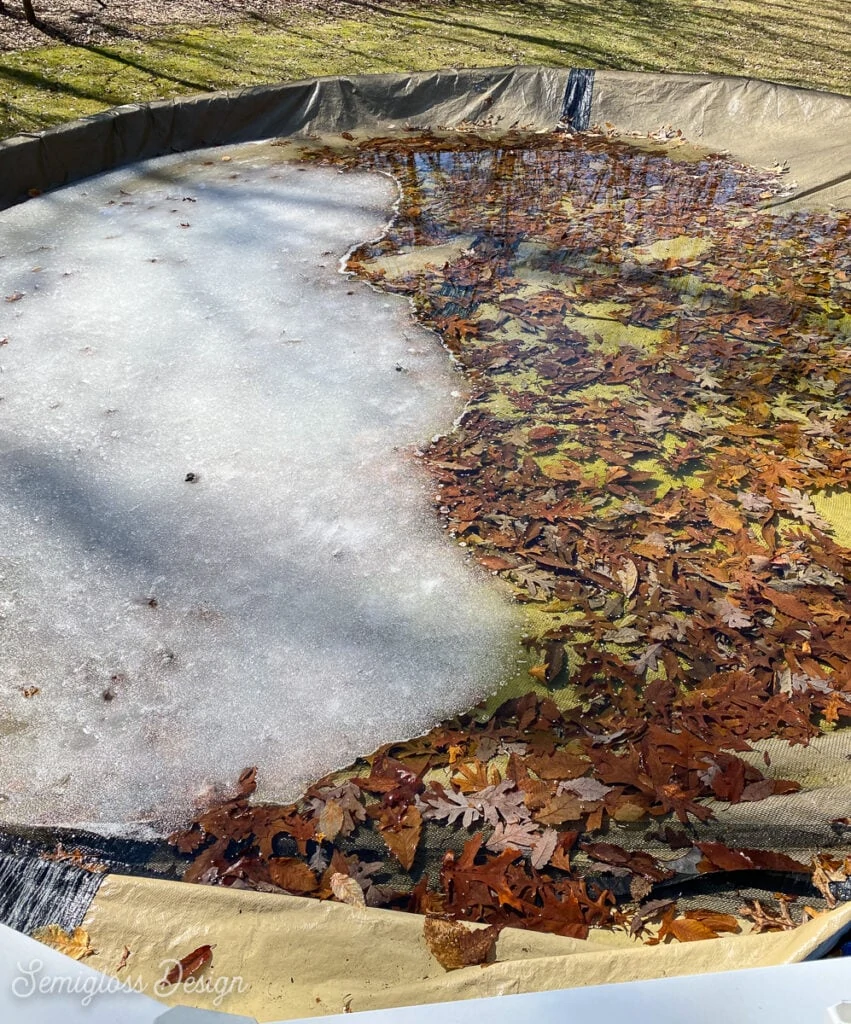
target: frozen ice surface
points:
(292, 604)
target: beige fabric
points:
(759, 123)
(299, 957)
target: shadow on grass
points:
(38, 81)
(65, 38)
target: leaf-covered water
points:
(656, 456)
(660, 437)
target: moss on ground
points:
(796, 44)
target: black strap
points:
(576, 110)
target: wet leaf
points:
(331, 820)
(455, 945)
(652, 420)
(190, 966)
(402, 839)
(293, 875)
(347, 890)
(731, 614)
(628, 576)
(74, 943)
(560, 808)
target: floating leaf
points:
(293, 875)
(652, 420)
(403, 839)
(731, 614)
(628, 576)
(801, 506)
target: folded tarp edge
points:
(758, 123)
(299, 957)
(506, 97)
(761, 123)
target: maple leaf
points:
(652, 420)
(801, 507)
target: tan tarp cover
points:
(757, 122)
(299, 957)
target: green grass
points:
(783, 41)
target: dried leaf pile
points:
(653, 454)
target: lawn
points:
(782, 41)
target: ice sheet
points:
(292, 604)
